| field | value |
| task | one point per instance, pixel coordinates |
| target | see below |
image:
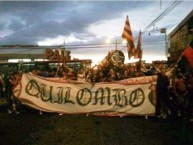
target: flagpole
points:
(116, 45)
(176, 65)
(116, 50)
(139, 51)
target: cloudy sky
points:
(85, 26)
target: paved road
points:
(30, 128)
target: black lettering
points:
(117, 97)
(59, 95)
(101, 98)
(67, 96)
(121, 97)
(137, 98)
(81, 95)
(32, 88)
(108, 96)
(43, 93)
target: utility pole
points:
(163, 30)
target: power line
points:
(146, 43)
(169, 9)
(106, 45)
(161, 15)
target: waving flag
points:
(138, 53)
(188, 53)
(127, 34)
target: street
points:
(31, 128)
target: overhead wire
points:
(146, 43)
(168, 10)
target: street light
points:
(163, 30)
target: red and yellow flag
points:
(138, 53)
(127, 34)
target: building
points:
(28, 56)
(180, 37)
(30, 52)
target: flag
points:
(188, 53)
(127, 34)
(138, 53)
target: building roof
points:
(25, 49)
(182, 23)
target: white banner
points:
(135, 96)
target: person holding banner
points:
(11, 82)
(162, 104)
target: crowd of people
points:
(173, 91)
(174, 94)
(98, 73)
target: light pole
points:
(163, 30)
